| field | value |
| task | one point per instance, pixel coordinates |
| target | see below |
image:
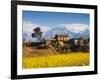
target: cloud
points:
(76, 27)
(29, 26)
(73, 27)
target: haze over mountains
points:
(75, 32)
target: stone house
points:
(61, 39)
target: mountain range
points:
(57, 30)
(62, 30)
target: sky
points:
(48, 20)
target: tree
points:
(37, 32)
(38, 37)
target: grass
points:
(57, 60)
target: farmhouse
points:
(62, 37)
(78, 41)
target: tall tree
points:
(37, 33)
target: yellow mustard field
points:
(58, 60)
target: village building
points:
(61, 38)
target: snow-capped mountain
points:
(62, 30)
(57, 30)
(26, 36)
